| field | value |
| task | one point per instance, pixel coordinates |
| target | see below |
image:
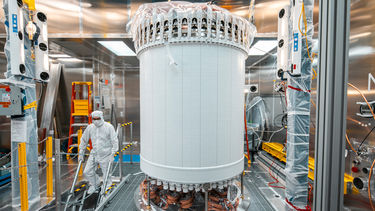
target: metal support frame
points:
(23, 176)
(57, 175)
(49, 168)
(82, 201)
(334, 25)
(104, 187)
(71, 192)
(123, 130)
(242, 193)
(121, 155)
(18, 50)
(131, 141)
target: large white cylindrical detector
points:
(192, 66)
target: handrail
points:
(102, 191)
(104, 185)
(71, 192)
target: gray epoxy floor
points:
(67, 175)
(256, 181)
(262, 196)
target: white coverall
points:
(104, 146)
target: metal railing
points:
(109, 172)
(55, 174)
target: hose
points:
(347, 139)
(373, 163)
(247, 139)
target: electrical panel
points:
(10, 100)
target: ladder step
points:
(79, 124)
(74, 145)
(79, 114)
(74, 135)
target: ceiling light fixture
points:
(69, 60)
(117, 47)
(262, 47)
(59, 56)
(86, 4)
(62, 5)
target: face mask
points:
(98, 123)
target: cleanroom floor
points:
(256, 181)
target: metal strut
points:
(104, 189)
(71, 192)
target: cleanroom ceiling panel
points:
(105, 16)
(101, 17)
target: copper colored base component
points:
(217, 199)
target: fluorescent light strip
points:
(262, 47)
(69, 60)
(117, 47)
(59, 56)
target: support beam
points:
(334, 25)
(49, 177)
(21, 70)
(23, 176)
(57, 174)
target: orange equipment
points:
(80, 110)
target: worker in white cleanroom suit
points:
(104, 146)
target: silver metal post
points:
(334, 31)
(83, 201)
(102, 192)
(131, 141)
(242, 195)
(107, 176)
(120, 154)
(95, 168)
(57, 175)
(72, 188)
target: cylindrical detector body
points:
(192, 107)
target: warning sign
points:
(5, 97)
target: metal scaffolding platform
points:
(256, 181)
